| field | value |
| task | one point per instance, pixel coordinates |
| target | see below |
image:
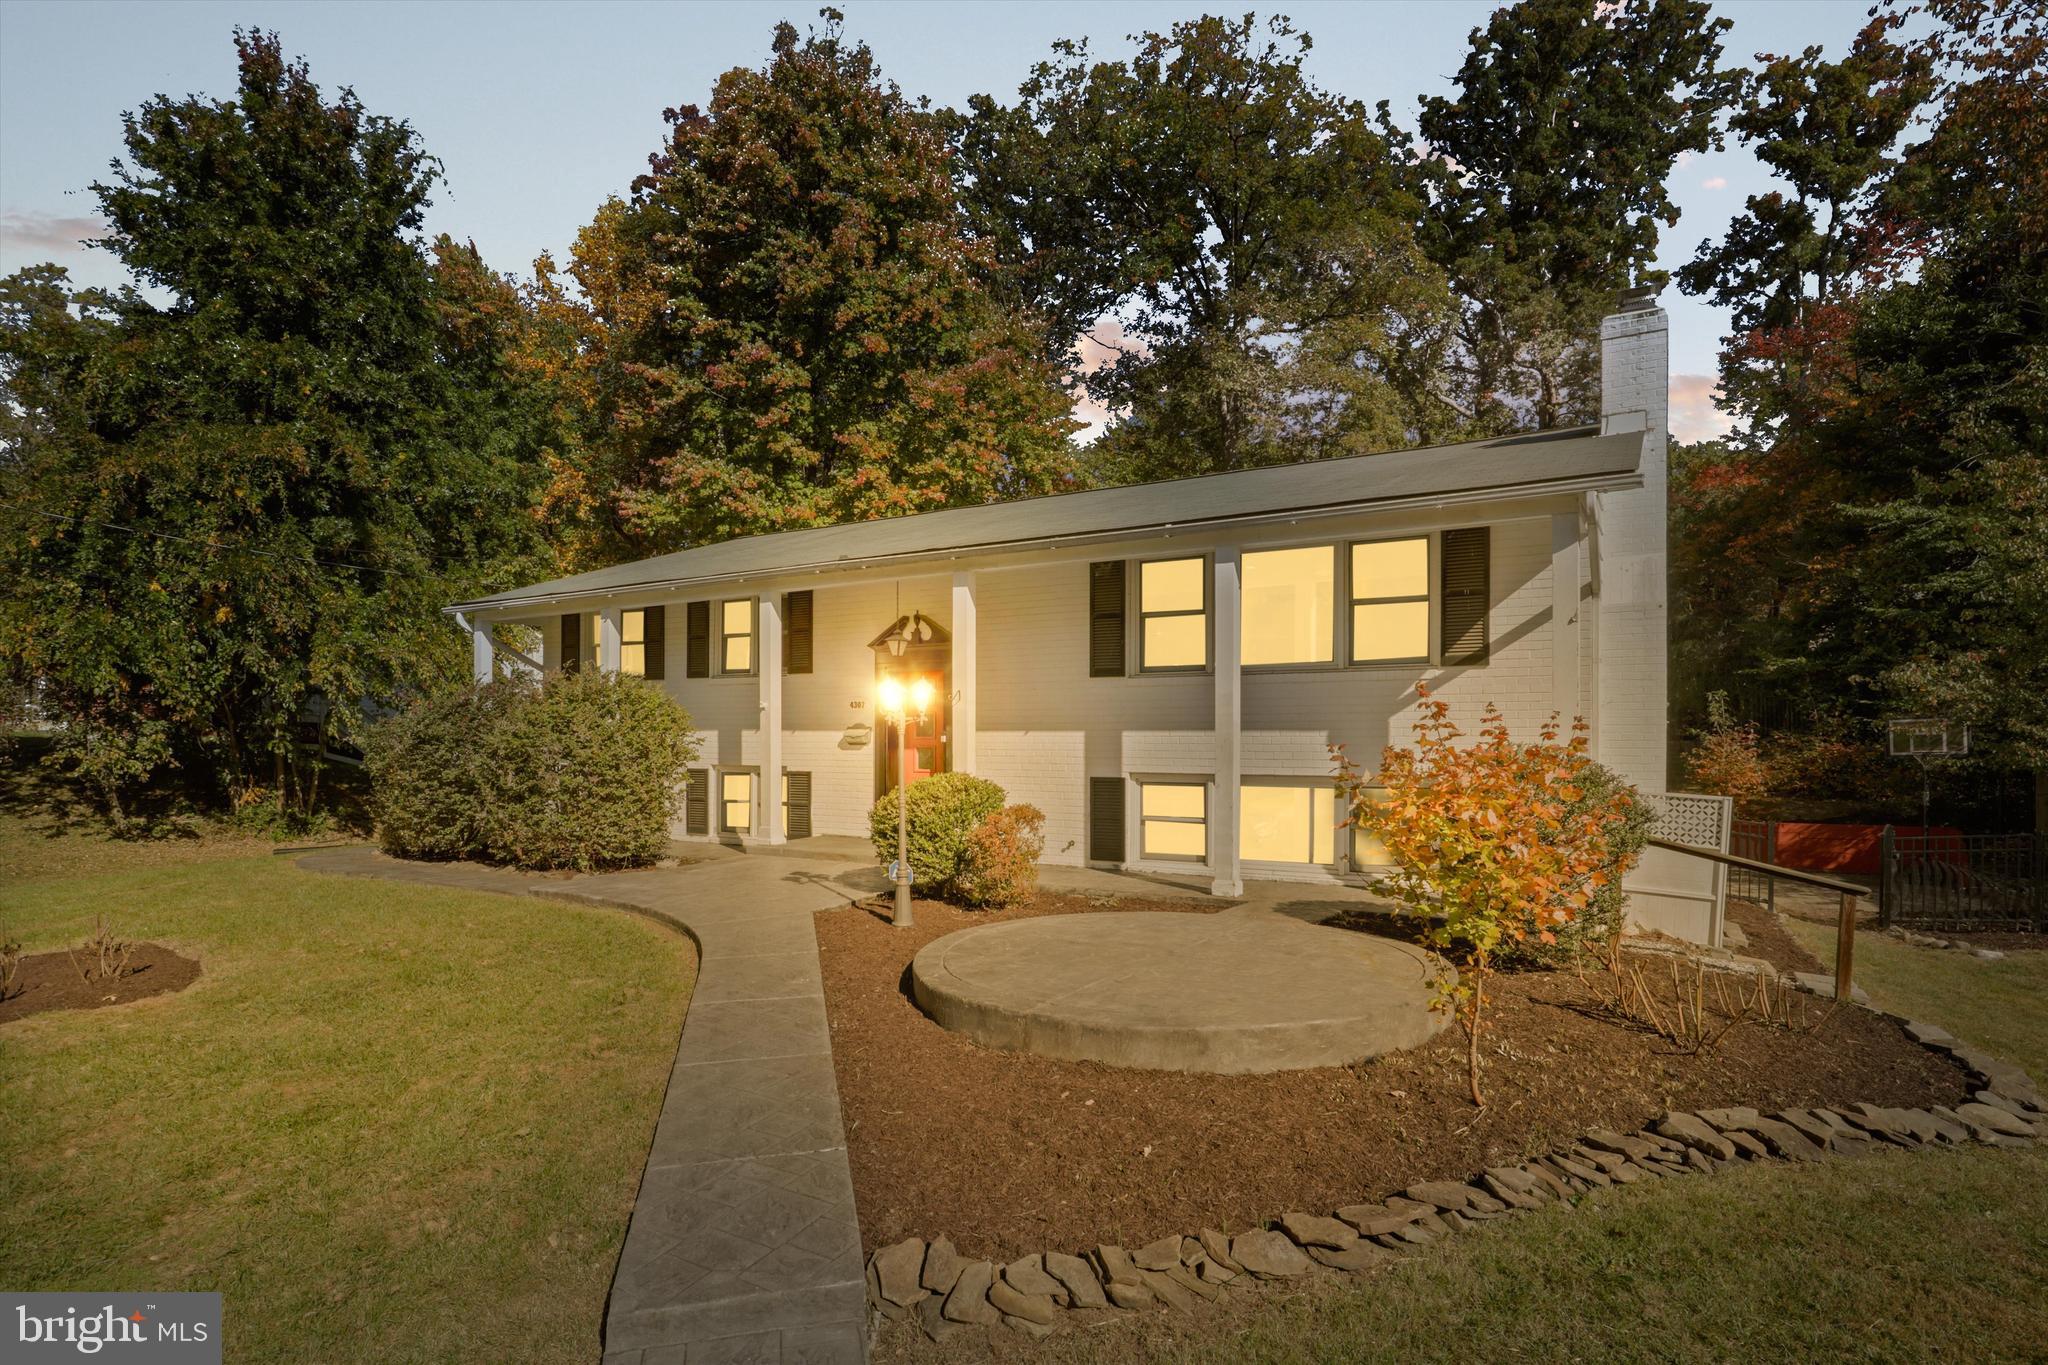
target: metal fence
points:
(1756, 840)
(1964, 881)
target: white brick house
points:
(1161, 669)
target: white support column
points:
(1564, 618)
(483, 653)
(1223, 813)
(965, 646)
(768, 658)
(608, 640)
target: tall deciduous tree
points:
(787, 326)
(1241, 241)
(1890, 482)
(259, 482)
(1549, 170)
(1829, 131)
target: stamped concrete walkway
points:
(743, 1244)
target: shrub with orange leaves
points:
(1495, 842)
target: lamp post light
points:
(899, 705)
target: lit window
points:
(1288, 824)
(1390, 601)
(1176, 819)
(1289, 601)
(736, 636)
(1173, 613)
(736, 802)
(633, 643)
(1366, 848)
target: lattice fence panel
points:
(1693, 818)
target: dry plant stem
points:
(1472, 1031)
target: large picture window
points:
(736, 636)
(736, 803)
(1289, 605)
(1390, 601)
(1173, 613)
(1284, 824)
(633, 643)
(1175, 819)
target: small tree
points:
(1494, 842)
(1726, 759)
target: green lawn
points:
(387, 1123)
(1907, 1257)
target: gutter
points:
(1589, 483)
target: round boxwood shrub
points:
(944, 809)
(427, 768)
(587, 774)
(584, 771)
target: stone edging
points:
(1034, 1295)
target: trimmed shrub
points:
(1002, 858)
(427, 770)
(584, 771)
(943, 811)
(587, 774)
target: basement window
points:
(1287, 824)
(736, 803)
(1175, 817)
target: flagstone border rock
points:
(1038, 1294)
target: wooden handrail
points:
(1845, 916)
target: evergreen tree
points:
(262, 489)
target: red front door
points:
(926, 740)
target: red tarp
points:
(1840, 848)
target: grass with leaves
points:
(386, 1123)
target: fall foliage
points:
(1493, 843)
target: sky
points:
(539, 110)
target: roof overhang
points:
(619, 582)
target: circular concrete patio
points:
(1241, 991)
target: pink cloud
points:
(1099, 348)
(1714, 182)
(33, 231)
(1696, 414)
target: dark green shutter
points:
(796, 619)
(799, 820)
(1106, 619)
(572, 641)
(697, 641)
(1466, 588)
(1106, 819)
(696, 802)
(655, 633)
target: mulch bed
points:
(1011, 1153)
(1769, 940)
(49, 981)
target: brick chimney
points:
(1635, 364)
